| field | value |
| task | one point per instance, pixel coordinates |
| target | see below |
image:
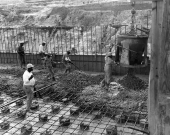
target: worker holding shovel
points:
(67, 62)
(49, 65)
(108, 71)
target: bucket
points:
(137, 45)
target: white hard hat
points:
(30, 65)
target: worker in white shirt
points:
(67, 62)
(28, 86)
(42, 53)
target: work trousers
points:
(108, 75)
(21, 59)
(67, 67)
(42, 55)
(51, 72)
(29, 92)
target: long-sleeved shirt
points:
(65, 58)
(20, 50)
(108, 60)
(41, 49)
(26, 80)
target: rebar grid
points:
(86, 114)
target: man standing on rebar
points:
(42, 53)
(67, 62)
(21, 55)
(48, 62)
(108, 71)
(28, 86)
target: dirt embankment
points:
(86, 15)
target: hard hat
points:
(30, 65)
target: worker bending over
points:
(28, 86)
(108, 71)
(48, 63)
(67, 62)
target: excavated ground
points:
(119, 106)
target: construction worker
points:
(21, 55)
(108, 71)
(42, 53)
(28, 85)
(48, 63)
(67, 62)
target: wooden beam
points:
(159, 87)
(153, 78)
(163, 126)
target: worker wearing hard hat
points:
(48, 63)
(28, 86)
(66, 61)
(108, 71)
(41, 51)
(21, 54)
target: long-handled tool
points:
(143, 131)
(75, 66)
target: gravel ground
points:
(82, 86)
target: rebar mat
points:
(97, 126)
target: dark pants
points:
(42, 55)
(21, 59)
(68, 67)
(51, 72)
(108, 75)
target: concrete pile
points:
(133, 82)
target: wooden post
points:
(159, 81)
(163, 115)
(153, 78)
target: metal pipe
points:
(145, 132)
